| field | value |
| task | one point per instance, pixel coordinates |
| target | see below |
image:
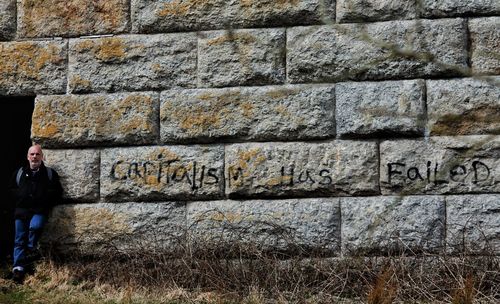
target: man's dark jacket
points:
(36, 193)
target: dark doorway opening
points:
(16, 132)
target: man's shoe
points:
(18, 276)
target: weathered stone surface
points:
(162, 172)
(253, 113)
(52, 18)
(485, 45)
(33, 67)
(124, 226)
(460, 164)
(276, 224)
(448, 8)
(473, 224)
(384, 50)
(241, 57)
(83, 120)
(7, 19)
(132, 62)
(374, 108)
(464, 106)
(78, 171)
(299, 169)
(392, 224)
(375, 10)
(186, 15)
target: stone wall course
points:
(33, 67)
(299, 225)
(132, 63)
(152, 16)
(393, 108)
(464, 106)
(375, 10)
(95, 228)
(473, 225)
(288, 112)
(440, 165)
(7, 19)
(78, 170)
(96, 119)
(157, 173)
(392, 225)
(274, 169)
(485, 45)
(377, 51)
(70, 18)
(450, 8)
(241, 57)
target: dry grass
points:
(258, 276)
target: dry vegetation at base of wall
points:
(145, 276)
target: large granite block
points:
(464, 106)
(132, 63)
(33, 67)
(241, 57)
(69, 18)
(375, 51)
(302, 169)
(453, 165)
(78, 171)
(162, 172)
(392, 224)
(251, 113)
(380, 108)
(153, 16)
(104, 227)
(473, 224)
(88, 120)
(298, 225)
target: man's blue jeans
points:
(28, 233)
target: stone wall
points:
(348, 126)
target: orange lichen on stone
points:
(26, 59)
(110, 49)
(281, 93)
(78, 82)
(213, 111)
(71, 17)
(183, 7)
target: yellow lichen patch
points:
(100, 222)
(244, 38)
(198, 121)
(212, 112)
(57, 17)
(111, 49)
(163, 153)
(84, 45)
(281, 109)
(183, 7)
(281, 93)
(80, 83)
(230, 217)
(247, 109)
(49, 130)
(26, 59)
(252, 155)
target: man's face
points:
(35, 156)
